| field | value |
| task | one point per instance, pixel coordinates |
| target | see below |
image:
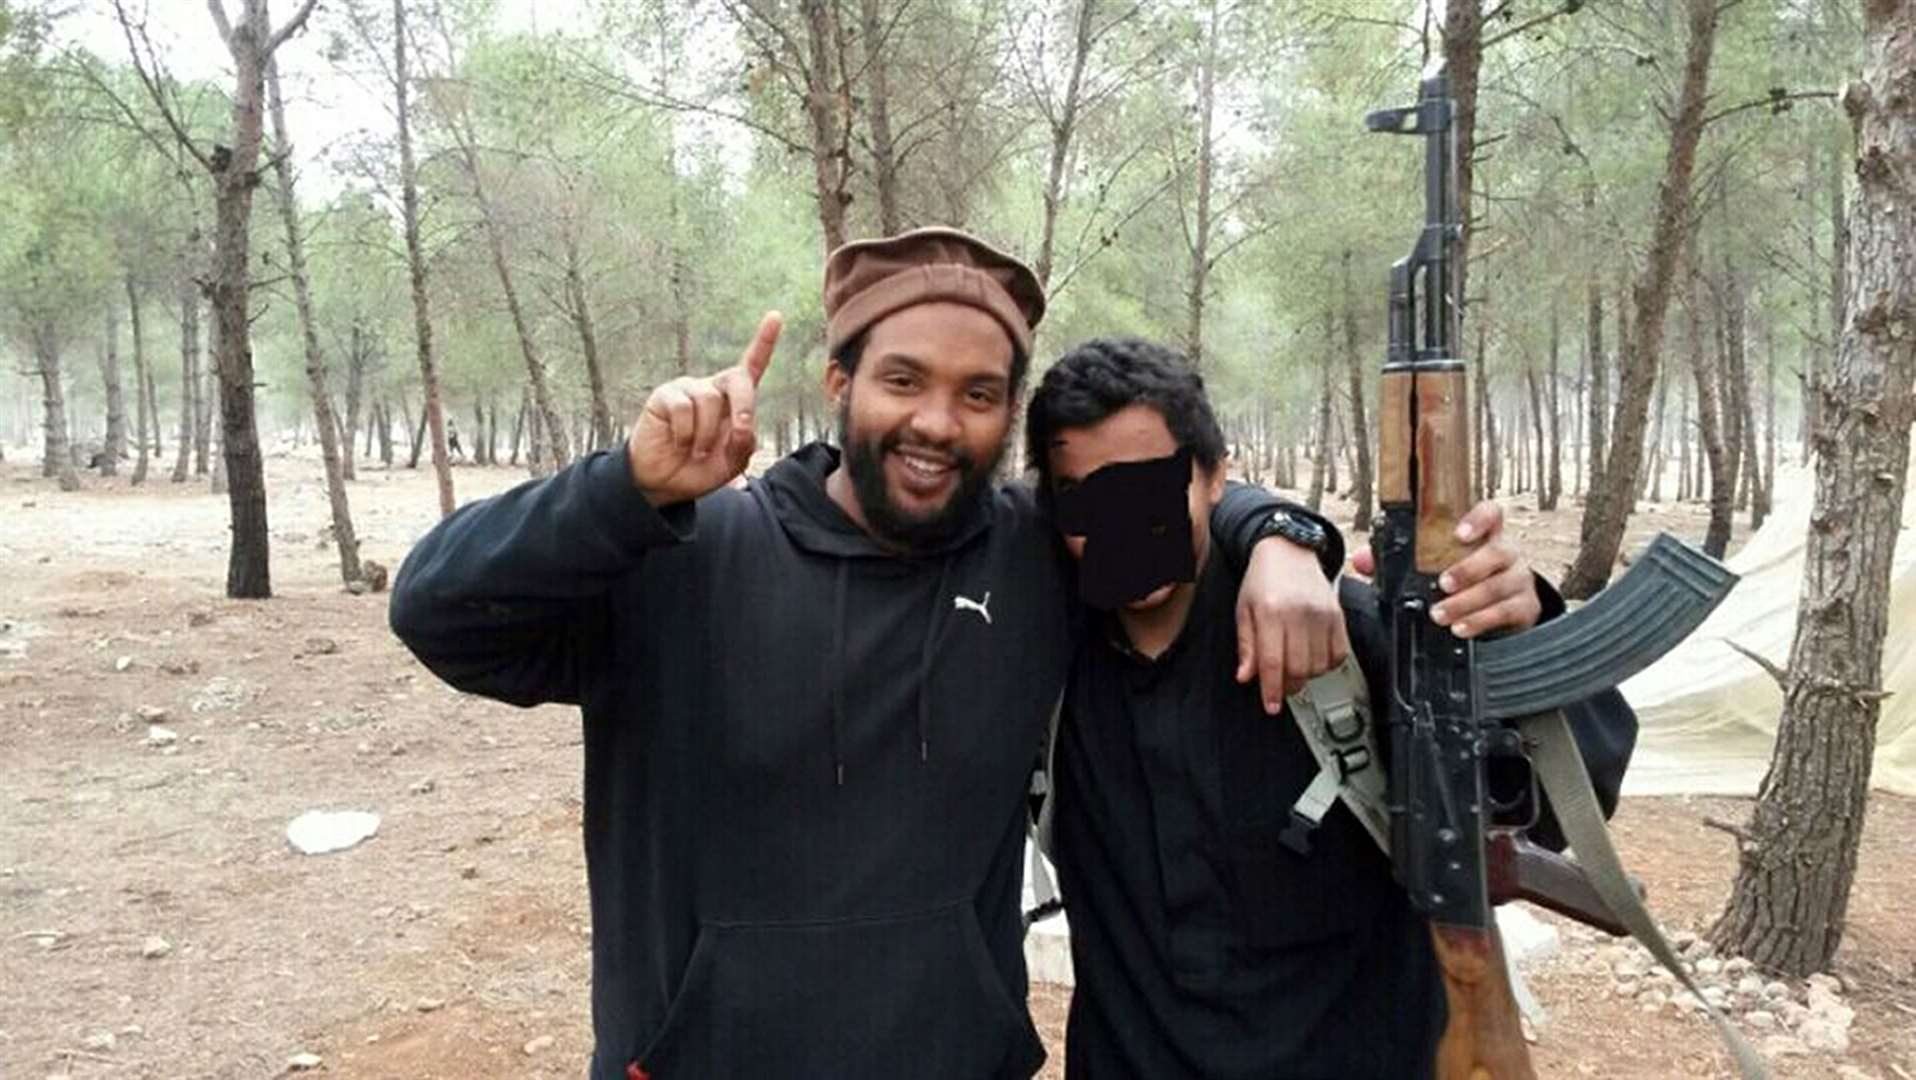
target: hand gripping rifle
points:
(1456, 845)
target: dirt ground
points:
(154, 921)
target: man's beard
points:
(865, 461)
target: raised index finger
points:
(758, 355)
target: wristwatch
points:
(1299, 530)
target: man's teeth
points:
(924, 466)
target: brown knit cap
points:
(867, 280)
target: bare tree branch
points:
(293, 25)
(154, 82)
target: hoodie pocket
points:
(911, 995)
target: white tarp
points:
(1709, 713)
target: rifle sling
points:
(1560, 768)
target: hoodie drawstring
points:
(927, 657)
(839, 674)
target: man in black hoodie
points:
(1203, 946)
(811, 704)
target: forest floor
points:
(154, 921)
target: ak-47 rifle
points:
(1456, 846)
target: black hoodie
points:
(805, 756)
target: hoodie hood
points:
(796, 488)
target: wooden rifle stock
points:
(1483, 1039)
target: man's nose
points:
(937, 421)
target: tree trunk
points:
(518, 427)
(1552, 486)
(589, 345)
(432, 408)
(1610, 502)
(1360, 427)
(205, 384)
(826, 87)
(146, 420)
(1796, 866)
(1736, 387)
(1768, 497)
(1486, 449)
(416, 433)
(1599, 384)
(1657, 457)
(1463, 37)
(1541, 467)
(1686, 486)
(1320, 461)
(189, 374)
(250, 41)
(114, 447)
(355, 396)
(58, 460)
(385, 428)
(1579, 414)
(1200, 234)
(345, 540)
(549, 440)
(1709, 425)
(1063, 128)
(877, 100)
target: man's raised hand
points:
(697, 435)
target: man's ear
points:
(1213, 478)
(837, 382)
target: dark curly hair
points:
(1104, 375)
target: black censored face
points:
(1135, 519)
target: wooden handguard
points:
(1443, 468)
(1483, 1040)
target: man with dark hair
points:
(812, 703)
(1202, 945)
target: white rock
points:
(539, 1045)
(100, 1041)
(123, 663)
(1652, 999)
(303, 1061)
(1825, 981)
(1528, 939)
(1828, 1036)
(1709, 967)
(1715, 996)
(1822, 1000)
(1776, 991)
(427, 1005)
(1750, 986)
(155, 947)
(161, 736)
(1784, 1046)
(1625, 988)
(152, 714)
(1736, 967)
(1761, 1020)
(1792, 1013)
(317, 832)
